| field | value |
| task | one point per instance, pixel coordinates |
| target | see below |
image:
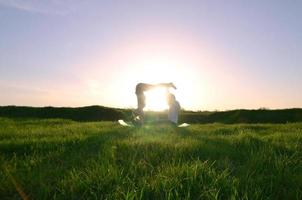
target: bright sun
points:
(156, 100)
(162, 71)
(165, 71)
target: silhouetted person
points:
(141, 98)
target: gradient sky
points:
(221, 54)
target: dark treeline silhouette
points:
(245, 116)
(100, 113)
(89, 113)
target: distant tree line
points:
(101, 113)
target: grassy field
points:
(63, 159)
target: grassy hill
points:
(64, 159)
(100, 113)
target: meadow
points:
(64, 159)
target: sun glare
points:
(145, 62)
(155, 71)
(156, 100)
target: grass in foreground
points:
(61, 159)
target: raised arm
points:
(167, 85)
(142, 87)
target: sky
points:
(221, 55)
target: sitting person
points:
(174, 108)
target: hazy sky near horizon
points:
(220, 54)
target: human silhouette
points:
(140, 89)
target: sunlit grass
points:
(62, 159)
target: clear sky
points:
(220, 54)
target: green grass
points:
(62, 159)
